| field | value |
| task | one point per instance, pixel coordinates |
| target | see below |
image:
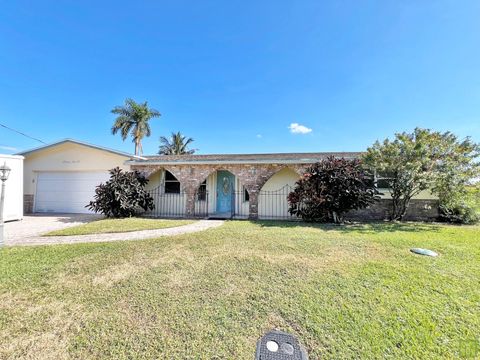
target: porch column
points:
(190, 202)
(253, 203)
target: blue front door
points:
(225, 189)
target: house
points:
(253, 186)
(62, 177)
(13, 207)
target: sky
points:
(240, 76)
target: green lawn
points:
(119, 225)
(347, 292)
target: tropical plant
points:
(331, 188)
(423, 160)
(133, 118)
(177, 144)
(123, 195)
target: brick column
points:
(253, 202)
(190, 202)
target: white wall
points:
(13, 208)
(272, 199)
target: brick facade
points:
(254, 176)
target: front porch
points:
(222, 194)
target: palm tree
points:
(133, 119)
(177, 144)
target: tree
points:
(331, 188)
(177, 144)
(133, 118)
(122, 195)
(422, 160)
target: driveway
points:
(29, 231)
(36, 225)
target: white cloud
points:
(259, 136)
(8, 148)
(296, 128)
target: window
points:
(246, 195)
(383, 180)
(202, 191)
(172, 185)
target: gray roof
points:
(26, 152)
(299, 158)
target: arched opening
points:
(171, 184)
(273, 196)
(168, 197)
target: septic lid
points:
(425, 252)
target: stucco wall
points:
(68, 157)
(13, 207)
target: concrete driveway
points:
(36, 225)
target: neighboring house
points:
(13, 206)
(62, 177)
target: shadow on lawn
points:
(71, 218)
(367, 227)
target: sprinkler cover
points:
(277, 345)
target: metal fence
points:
(273, 205)
(174, 204)
(240, 204)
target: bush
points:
(461, 207)
(331, 188)
(123, 195)
(459, 214)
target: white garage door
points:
(66, 192)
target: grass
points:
(118, 225)
(347, 292)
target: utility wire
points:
(21, 133)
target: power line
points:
(21, 133)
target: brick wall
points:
(420, 210)
(27, 204)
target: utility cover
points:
(425, 252)
(277, 345)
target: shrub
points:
(331, 188)
(461, 206)
(123, 195)
(421, 160)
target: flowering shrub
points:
(331, 188)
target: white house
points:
(13, 207)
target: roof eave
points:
(225, 162)
(121, 153)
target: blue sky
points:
(235, 75)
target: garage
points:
(62, 177)
(66, 192)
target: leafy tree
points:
(133, 118)
(331, 188)
(122, 195)
(177, 144)
(423, 160)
